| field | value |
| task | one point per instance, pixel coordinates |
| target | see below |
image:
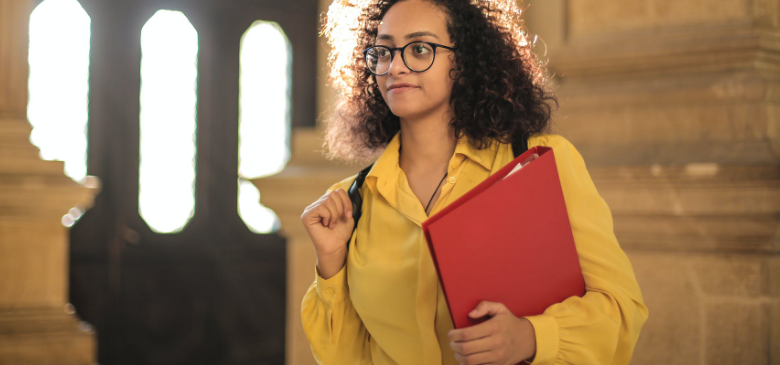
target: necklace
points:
(434, 193)
(437, 186)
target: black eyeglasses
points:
(418, 56)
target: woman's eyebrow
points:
(387, 37)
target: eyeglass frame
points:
(403, 49)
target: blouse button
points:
(329, 291)
(452, 179)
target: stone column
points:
(303, 181)
(37, 325)
(288, 193)
(674, 106)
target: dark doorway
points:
(213, 293)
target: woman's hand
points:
(503, 339)
(328, 222)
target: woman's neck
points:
(427, 146)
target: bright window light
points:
(264, 117)
(169, 57)
(59, 83)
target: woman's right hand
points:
(328, 222)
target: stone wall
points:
(674, 106)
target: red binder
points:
(507, 241)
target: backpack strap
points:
(520, 148)
(355, 197)
(357, 200)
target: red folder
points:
(507, 241)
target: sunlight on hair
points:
(264, 117)
(342, 27)
(507, 15)
(169, 56)
(59, 83)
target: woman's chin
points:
(405, 112)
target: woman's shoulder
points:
(343, 184)
(565, 152)
(548, 140)
(572, 168)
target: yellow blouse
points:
(386, 307)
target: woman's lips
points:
(400, 90)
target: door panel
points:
(213, 293)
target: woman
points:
(442, 89)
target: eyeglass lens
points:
(418, 56)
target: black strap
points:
(354, 195)
(520, 148)
(357, 200)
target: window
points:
(264, 117)
(59, 83)
(58, 108)
(168, 98)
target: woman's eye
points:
(382, 52)
(421, 49)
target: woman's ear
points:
(454, 73)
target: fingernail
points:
(349, 214)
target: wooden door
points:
(213, 293)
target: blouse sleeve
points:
(335, 332)
(601, 327)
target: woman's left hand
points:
(503, 339)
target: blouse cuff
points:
(547, 338)
(332, 290)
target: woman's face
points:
(426, 92)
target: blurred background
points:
(156, 156)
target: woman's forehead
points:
(413, 19)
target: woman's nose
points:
(397, 65)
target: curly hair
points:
(498, 92)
